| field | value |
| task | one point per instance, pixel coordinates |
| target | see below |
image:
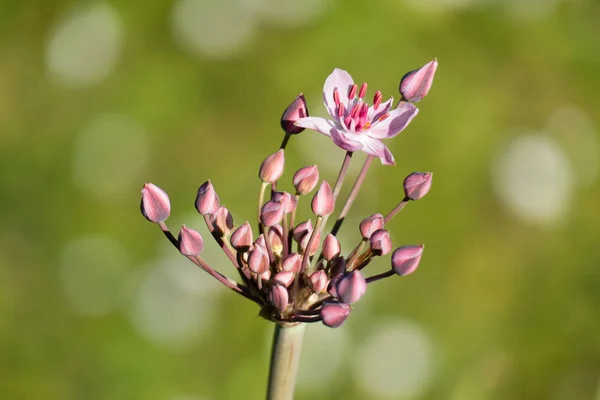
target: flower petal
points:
(342, 140)
(383, 108)
(397, 120)
(375, 147)
(341, 80)
(318, 124)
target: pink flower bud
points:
(417, 185)
(315, 245)
(335, 314)
(279, 297)
(302, 229)
(405, 259)
(242, 238)
(271, 213)
(288, 201)
(296, 110)
(272, 168)
(331, 247)
(207, 201)
(265, 276)
(381, 242)
(305, 179)
(258, 261)
(222, 220)
(292, 263)
(284, 278)
(351, 287)
(318, 281)
(416, 84)
(370, 225)
(276, 239)
(190, 242)
(323, 202)
(155, 206)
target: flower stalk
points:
(285, 359)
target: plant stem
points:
(285, 357)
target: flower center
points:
(355, 113)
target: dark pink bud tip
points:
(271, 213)
(351, 287)
(305, 179)
(242, 238)
(318, 281)
(417, 185)
(272, 168)
(190, 242)
(381, 242)
(296, 110)
(405, 259)
(370, 225)
(323, 202)
(279, 297)
(207, 201)
(335, 314)
(331, 247)
(416, 84)
(155, 206)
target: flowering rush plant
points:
(296, 272)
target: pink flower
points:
(355, 125)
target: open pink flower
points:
(355, 125)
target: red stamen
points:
(363, 91)
(341, 110)
(352, 92)
(377, 99)
(384, 116)
(352, 115)
(336, 97)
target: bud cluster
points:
(295, 271)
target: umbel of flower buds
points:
(155, 206)
(417, 185)
(296, 110)
(416, 84)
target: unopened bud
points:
(305, 179)
(405, 259)
(302, 229)
(417, 185)
(416, 84)
(258, 261)
(288, 201)
(381, 242)
(318, 281)
(242, 238)
(155, 205)
(370, 225)
(272, 168)
(335, 314)
(222, 220)
(207, 201)
(291, 263)
(331, 247)
(271, 213)
(276, 239)
(314, 246)
(284, 278)
(351, 287)
(323, 202)
(190, 242)
(279, 297)
(296, 110)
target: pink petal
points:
(341, 80)
(395, 123)
(342, 140)
(375, 147)
(318, 124)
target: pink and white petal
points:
(375, 147)
(383, 108)
(397, 120)
(341, 80)
(342, 140)
(318, 124)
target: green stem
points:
(285, 357)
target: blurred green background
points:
(98, 97)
